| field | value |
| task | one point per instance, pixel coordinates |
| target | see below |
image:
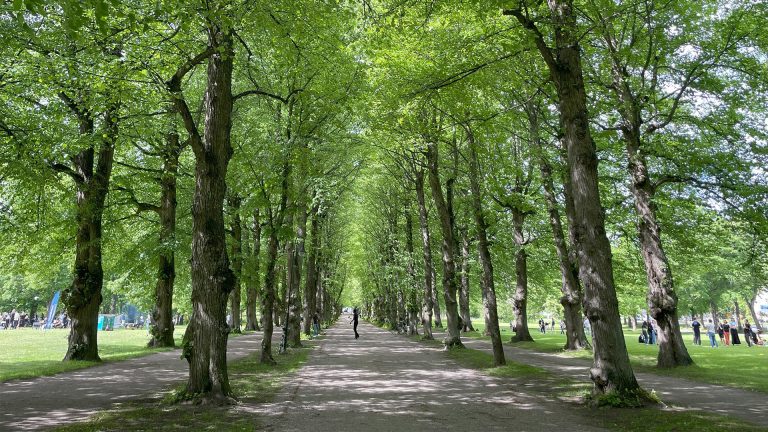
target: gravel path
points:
(742, 404)
(40, 403)
(385, 382)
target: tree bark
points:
(611, 371)
(268, 299)
(212, 277)
(483, 250)
(453, 334)
(294, 255)
(575, 338)
(162, 327)
(252, 283)
(522, 333)
(237, 263)
(737, 312)
(751, 307)
(466, 319)
(310, 284)
(83, 297)
(426, 315)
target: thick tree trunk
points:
(268, 299)
(611, 371)
(212, 278)
(713, 311)
(489, 290)
(252, 283)
(751, 307)
(522, 333)
(162, 319)
(453, 334)
(237, 263)
(294, 255)
(737, 312)
(466, 319)
(83, 298)
(571, 288)
(426, 315)
(310, 284)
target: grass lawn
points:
(252, 382)
(736, 366)
(30, 353)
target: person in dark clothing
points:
(644, 330)
(355, 318)
(316, 324)
(696, 325)
(726, 328)
(735, 333)
(748, 333)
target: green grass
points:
(658, 420)
(483, 361)
(736, 366)
(252, 383)
(31, 353)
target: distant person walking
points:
(696, 325)
(354, 321)
(316, 324)
(542, 326)
(711, 334)
(644, 331)
(562, 326)
(748, 333)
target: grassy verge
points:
(736, 366)
(252, 382)
(32, 353)
(647, 419)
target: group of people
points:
(727, 332)
(543, 325)
(15, 319)
(648, 333)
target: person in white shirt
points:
(711, 334)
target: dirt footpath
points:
(41, 403)
(385, 382)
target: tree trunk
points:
(268, 299)
(294, 254)
(464, 292)
(490, 311)
(310, 284)
(714, 312)
(252, 283)
(83, 298)
(633, 322)
(162, 320)
(426, 315)
(212, 278)
(237, 262)
(611, 371)
(521, 272)
(751, 307)
(413, 286)
(737, 312)
(453, 334)
(575, 338)
(436, 313)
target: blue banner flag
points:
(52, 310)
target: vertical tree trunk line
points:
(490, 311)
(83, 297)
(252, 283)
(212, 277)
(310, 284)
(237, 262)
(571, 287)
(453, 335)
(426, 315)
(162, 321)
(522, 333)
(464, 299)
(611, 371)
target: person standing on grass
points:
(562, 326)
(748, 333)
(711, 334)
(644, 331)
(16, 318)
(354, 321)
(696, 325)
(720, 333)
(735, 340)
(726, 332)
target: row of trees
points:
(571, 133)
(137, 135)
(552, 141)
